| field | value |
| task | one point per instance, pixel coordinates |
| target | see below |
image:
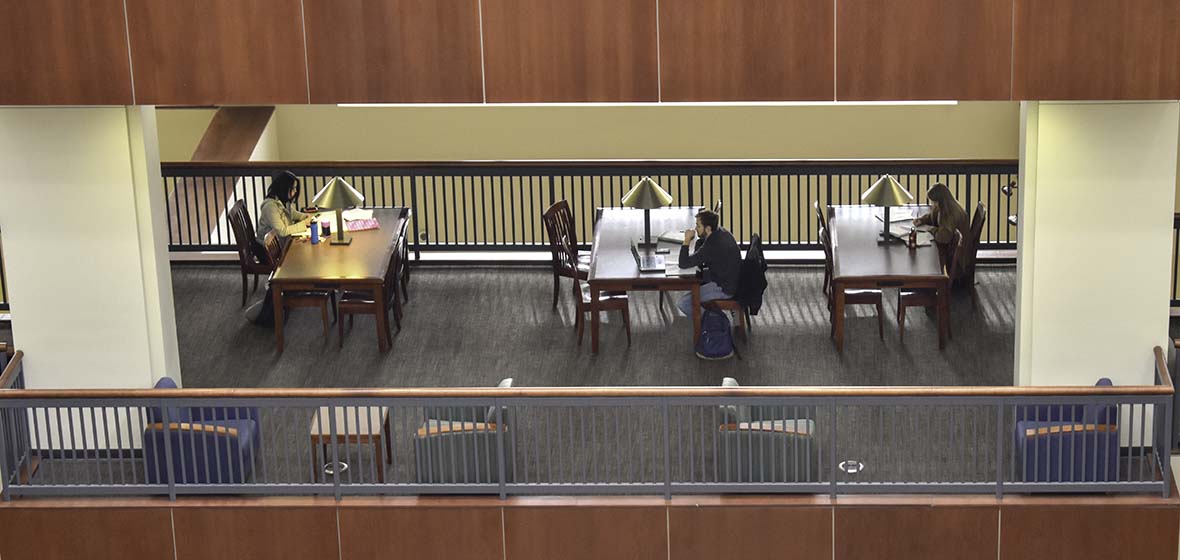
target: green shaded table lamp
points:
(886, 192)
(646, 195)
(338, 195)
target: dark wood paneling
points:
(570, 50)
(203, 52)
(750, 533)
(90, 533)
(923, 49)
(753, 50)
(232, 135)
(871, 533)
(585, 533)
(1097, 49)
(393, 51)
(1088, 532)
(64, 52)
(257, 533)
(423, 533)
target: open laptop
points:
(647, 263)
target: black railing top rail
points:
(1164, 387)
(937, 166)
(9, 377)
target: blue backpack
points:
(716, 341)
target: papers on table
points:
(902, 231)
(895, 214)
(672, 236)
(672, 268)
(357, 214)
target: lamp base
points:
(345, 241)
(888, 239)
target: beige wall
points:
(180, 130)
(967, 130)
(1078, 321)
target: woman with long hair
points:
(278, 212)
(945, 216)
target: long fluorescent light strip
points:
(666, 104)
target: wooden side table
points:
(359, 425)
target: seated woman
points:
(945, 216)
(277, 212)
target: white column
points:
(85, 246)
(1096, 197)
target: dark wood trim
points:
(233, 134)
(6, 378)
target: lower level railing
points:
(510, 441)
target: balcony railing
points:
(603, 440)
(498, 205)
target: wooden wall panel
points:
(423, 533)
(258, 533)
(753, 50)
(1097, 49)
(750, 533)
(90, 533)
(585, 533)
(64, 52)
(1088, 532)
(394, 51)
(204, 52)
(873, 532)
(570, 50)
(923, 49)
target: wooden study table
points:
(859, 262)
(613, 267)
(360, 265)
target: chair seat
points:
(724, 304)
(919, 297)
(602, 296)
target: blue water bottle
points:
(315, 232)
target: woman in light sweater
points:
(277, 212)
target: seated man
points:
(718, 252)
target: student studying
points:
(718, 252)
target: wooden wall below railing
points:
(685, 528)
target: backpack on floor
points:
(716, 341)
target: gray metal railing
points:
(475, 206)
(3, 281)
(517, 441)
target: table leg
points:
(838, 314)
(696, 313)
(594, 319)
(943, 312)
(277, 299)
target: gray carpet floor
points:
(474, 326)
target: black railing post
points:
(414, 211)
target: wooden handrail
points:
(670, 163)
(1161, 364)
(9, 375)
(817, 391)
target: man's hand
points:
(689, 235)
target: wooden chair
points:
(851, 297)
(926, 297)
(745, 322)
(251, 256)
(966, 278)
(323, 299)
(404, 261)
(358, 302)
(559, 224)
(822, 220)
(607, 301)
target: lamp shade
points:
(887, 192)
(337, 195)
(646, 195)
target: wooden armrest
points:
(1070, 428)
(446, 427)
(778, 426)
(187, 427)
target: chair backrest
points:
(717, 210)
(567, 257)
(559, 224)
(825, 243)
(391, 273)
(952, 254)
(978, 221)
(820, 218)
(274, 249)
(243, 228)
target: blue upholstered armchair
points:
(1070, 443)
(761, 444)
(211, 445)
